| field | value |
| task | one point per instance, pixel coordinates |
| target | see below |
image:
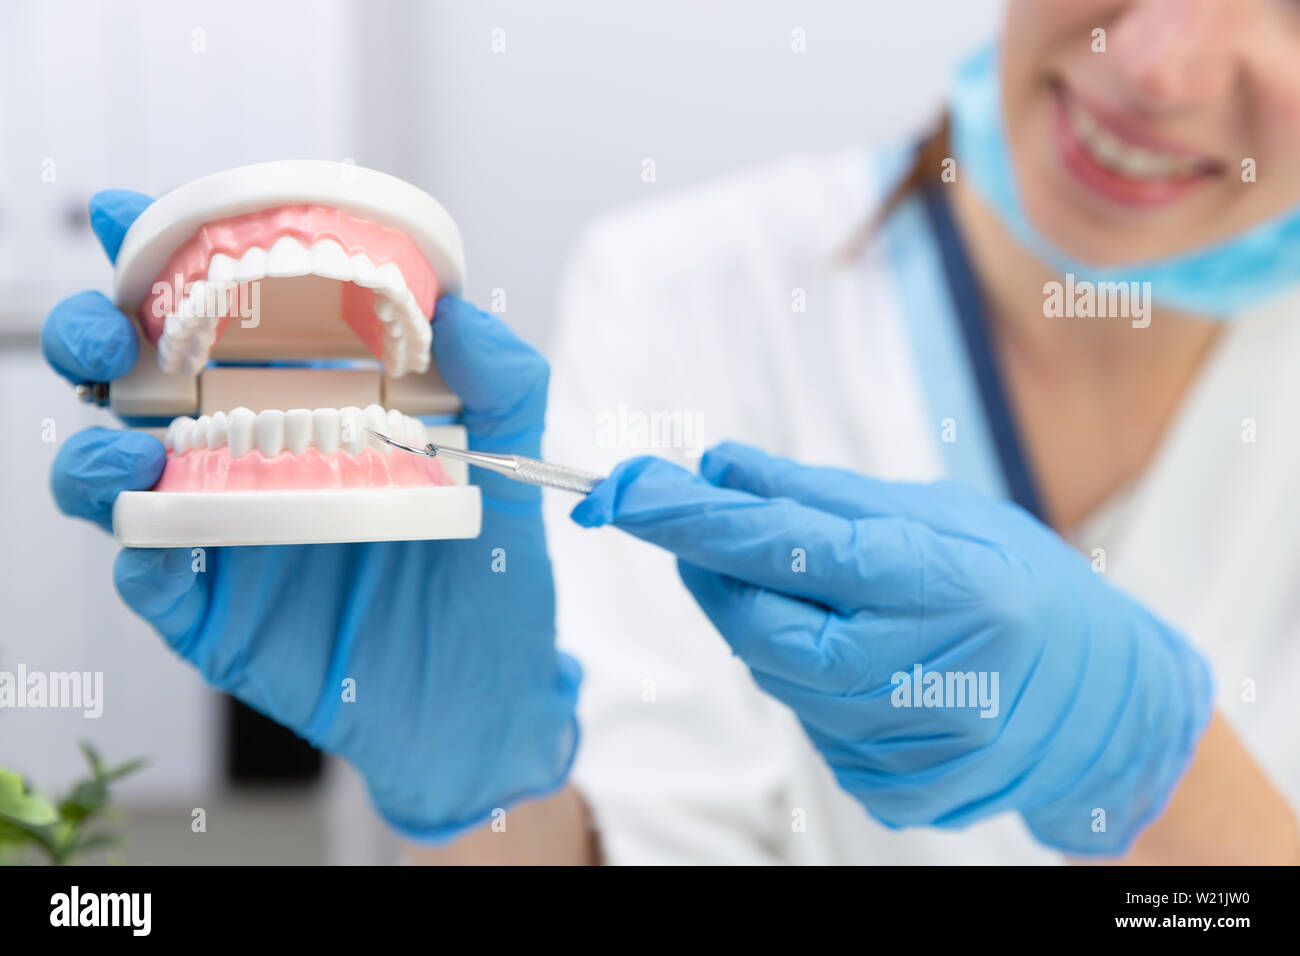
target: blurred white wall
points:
(522, 146)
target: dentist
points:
(1091, 514)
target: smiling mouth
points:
(1112, 157)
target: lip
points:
(1111, 185)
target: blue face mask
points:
(1215, 281)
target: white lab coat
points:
(724, 306)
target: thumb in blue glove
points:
(839, 591)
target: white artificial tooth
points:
(251, 265)
(352, 429)
(288, 257)
(413, 315)
(169, 439)
(221, 269)
(377, 420)
(191, 348)
(415, 428)
(239, 431)
(328, 259)
(297, 430)
(386, 311)
(392, 284)
(175, 361)
(168, 361)
(325, 430)
(201, 427)
(396, 427)
(268, 431)
(164, 352)
(183, 437)
(217, 430)
(364, 272)
(195, 307)
(422, 331)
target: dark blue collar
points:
(969, 306)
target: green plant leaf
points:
(130, 767)
(90, 842)
(92, 757)
(87, 798)
(11, 834)
(28, 820)
(21, 806)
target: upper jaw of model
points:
(388, 289)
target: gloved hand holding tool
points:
(1098, 705)
(462, 702)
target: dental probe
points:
(519, 467)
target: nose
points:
(1178, 53)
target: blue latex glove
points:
(1098, 706)
(463, 704)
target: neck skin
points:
(1092, 396)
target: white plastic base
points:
(187, 519)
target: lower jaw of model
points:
(298, 449)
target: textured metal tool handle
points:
(556, 476)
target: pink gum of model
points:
(208, 469)
(233, 237)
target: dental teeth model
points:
(291, 263)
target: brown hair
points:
(930, 155)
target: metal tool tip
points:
(397, 444)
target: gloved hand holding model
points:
(884, 614)
(462, 703)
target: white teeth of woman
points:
(1115, 154)
(189, 334)
(276, 432)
